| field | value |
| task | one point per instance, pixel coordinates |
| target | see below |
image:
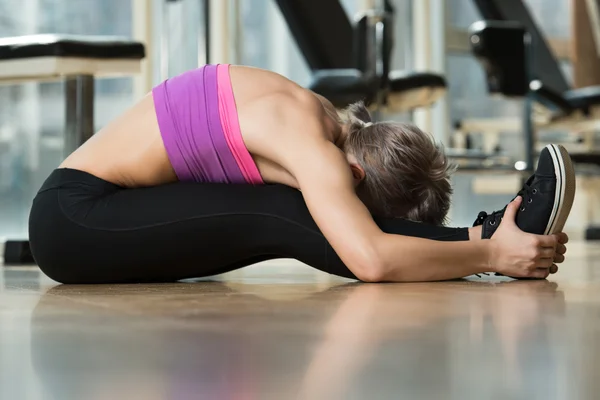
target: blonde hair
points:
(407, 175)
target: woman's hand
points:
(523, 255)
(561, 249)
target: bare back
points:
(130, 152)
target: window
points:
(267, 42)
(178, 37)
(32, 114)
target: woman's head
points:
(403, 173)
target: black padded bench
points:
(78, 60)
(351, 60)
(405, 90)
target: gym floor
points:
(280, 330)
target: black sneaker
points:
(547, 197)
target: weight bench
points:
(351, 62)
(507, 52)
(78, 60)
(519, 63)
(404, 91)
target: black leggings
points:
(83, 229)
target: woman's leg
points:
(86, 230)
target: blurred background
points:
(254, 33)
(261, 332)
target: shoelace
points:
(526, 193)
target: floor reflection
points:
(216, 340)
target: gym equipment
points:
(519, 63)
(78, 60)
(351, 62)
(502, 48)
(536, 75)
(545, 80)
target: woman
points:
(157, 195)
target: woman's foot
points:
(547, 197)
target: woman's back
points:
(130, 151)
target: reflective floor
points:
(280, 330)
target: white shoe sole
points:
(565, 189)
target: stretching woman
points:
(173, 189)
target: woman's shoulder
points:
(271, 105)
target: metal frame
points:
(207, 33)
(421, 35)
(429, 54)
(278, 42)
(79, 92)
(593, 7)
(142, 30)
(219, 32)
(237, 35)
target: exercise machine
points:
(351, 61)
(78, 61)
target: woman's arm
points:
(327, 185)
(323, 175)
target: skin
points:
(295, 138)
